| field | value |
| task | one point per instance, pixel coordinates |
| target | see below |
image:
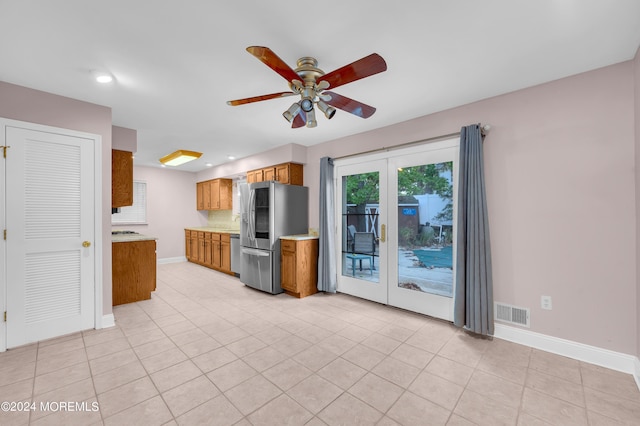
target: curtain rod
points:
(483, 129)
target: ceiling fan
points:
(310, 83)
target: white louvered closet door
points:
(50, 213)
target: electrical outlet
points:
(545, 302)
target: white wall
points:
(561, 188)
(171, 206)
(34, 106)
(561, 197)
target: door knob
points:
(86, 244)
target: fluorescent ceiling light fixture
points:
(180, 157)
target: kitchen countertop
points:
(299, 237)
(127, 238)
(218, 230)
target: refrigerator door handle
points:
(255, 252)
(252, 215)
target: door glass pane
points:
(425, 228)
(360, 226)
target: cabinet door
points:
(200, 196)
(282, 173)
(225, 256)
(259, 176)
(201, 247)
(121, 178)
(226, 194)
(288, 266)
(187, 244)
(208, 250)
(194, 246)
(134, 271)
(269, 173)
(215, 194)
(207, 195)
(216, 254)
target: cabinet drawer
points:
(215, 236)
(225, 238)
(207, 235)
(288, 245)
(201, 235)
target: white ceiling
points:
(176, 63)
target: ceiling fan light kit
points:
(309, 82)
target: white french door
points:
(362, 270)
(50, 246)
(407, 200)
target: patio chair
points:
(351, 230)
(364, 247)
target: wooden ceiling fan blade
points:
(260, 98)
(365, 67)
(273, 61)
(300, 120)
(349, 105)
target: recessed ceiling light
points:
(104, 78)
(209, 165)
(231, 157)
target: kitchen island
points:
(133, 267)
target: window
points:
(136, 213)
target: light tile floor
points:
(208, 350)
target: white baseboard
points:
(603, 357)
(172, 260)
(108, 321)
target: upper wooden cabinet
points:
(214, 195)
(288, 173)
(121, 178)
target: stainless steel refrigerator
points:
(268, 210)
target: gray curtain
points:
(326, 251)
(474, 284)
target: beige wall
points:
(561, 197)
(171, 206)
(124, 139)
(21, 103)
(561, 189)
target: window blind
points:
(136, 213)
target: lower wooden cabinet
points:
(299, 267)
(210, 249)
(134, 271)
(225, 252)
